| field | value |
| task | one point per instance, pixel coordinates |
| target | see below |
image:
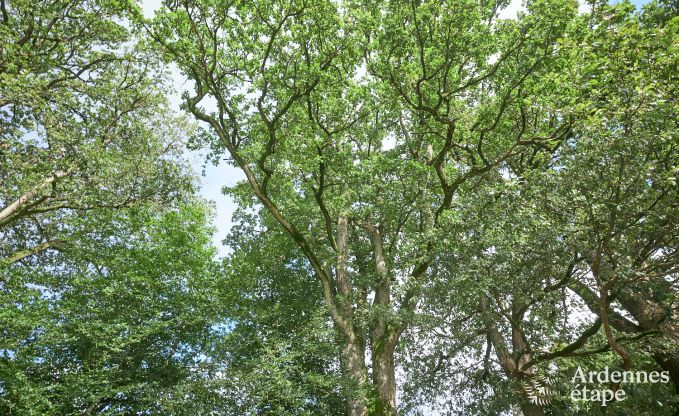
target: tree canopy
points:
(444, 211)
(106, 261)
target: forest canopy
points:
(442, 211)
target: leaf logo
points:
(537, 389)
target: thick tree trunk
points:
(383, 338)
(649, 315)
(669, 362)
(384, 380)
(654, 316)
(352, 359)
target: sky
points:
(214, 178)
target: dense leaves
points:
(443, 210)
(115, 326)
(84, 123)
(460, 185)
(279, 345)
(106, 274)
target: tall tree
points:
(105, 261)
(586, 235)
(624, 226)
(356, 126)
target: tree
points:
(626, 236)
(105, 261)
(116, 326)
(279, 348)
(483, 204)
(307, 100)
(584, 235)
(84, 123)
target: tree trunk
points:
(512, 362)
(653, 315)
(383, 339)
(384, 380)
(352, 359)
(670, 363)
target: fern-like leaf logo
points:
(538, 389)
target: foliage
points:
(439, 205)
(112, 327)
(447, 174)
(279, 346)
(84, 124)
(106, 271)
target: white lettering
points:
(665, 376)
(654, 377)
(579, 374)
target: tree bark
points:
(650, 317)
(383, 337)
(14, 209)
(654, 316)
(384, 380)
(512, 362)
(352, 359)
